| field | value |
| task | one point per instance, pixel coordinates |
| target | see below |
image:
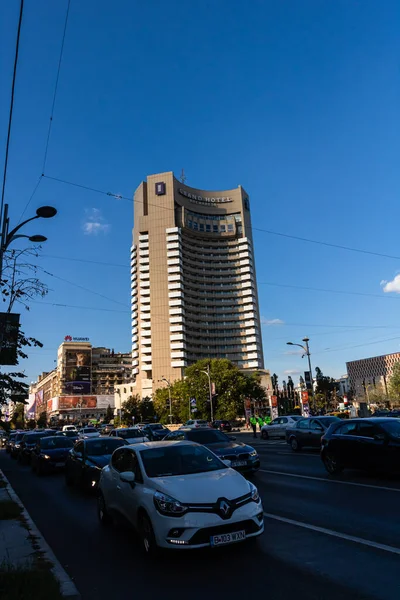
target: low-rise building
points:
(371, 375)
(82, 385)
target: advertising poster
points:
(49, 405)
(68, 402)
(105, 401)
(78, 372)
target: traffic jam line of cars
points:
(182, 489)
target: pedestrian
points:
(253, 423)
(260, 422)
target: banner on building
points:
(78, 371)
(9, 328)
(274, 401)
(304, 397)
(68, 402)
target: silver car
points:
(277, 427)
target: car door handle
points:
(118, 487)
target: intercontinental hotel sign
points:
(202, 199)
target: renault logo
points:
(224, 509)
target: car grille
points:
(203, 535)
(245, 456)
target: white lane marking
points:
(331, 532)
(365, 485)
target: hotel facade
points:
(193, 281)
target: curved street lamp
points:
(306, 349)
(43, 212)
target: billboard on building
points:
(68, 402)
(78, 371)
(105, 401)
(39, 402)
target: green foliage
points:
(231, 386)
(18, 418)
(135, 410)
(10, 383)
(326, 390)
(394, 382)
(42, 420)
(109, 414)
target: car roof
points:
(150, 445)
(323, 417)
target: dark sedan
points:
(222, 425)
(3, 438)
(308, 432)
(243, 458)
(87, 458)
(15, 444)
(369, 444)
(155, 431)
(28, 443)
(50, 453)
(72, 435)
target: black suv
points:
(369, 444)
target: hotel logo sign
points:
(203, 200)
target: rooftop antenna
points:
(183, 176)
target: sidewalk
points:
(28, 567)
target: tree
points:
(10, 383)
(18, 418)
(325, 392)
(109, 414)
(130, 410)
(302, 382)
(290, 387)
(394, 382)
(19, 282)
(231, 385)
(274, 379)
(42, 420)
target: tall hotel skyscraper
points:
(194, 290)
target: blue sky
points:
(296, 101)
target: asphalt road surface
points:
(325, 538)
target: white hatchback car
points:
(88, 432)
(195, 423)
(179, 495)
(277, 427)
(132, 435)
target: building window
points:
(222, 228)
(208, 228)
(190, 224)
(201, 226)
(124, 390)
(195, 226)
(230, 227)
(215, 228)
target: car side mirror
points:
(127, 477)
(227, 463)
(380, 437)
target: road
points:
(324, 538)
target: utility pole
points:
(207, 372)
(306, 349)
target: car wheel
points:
(147, 536)
(102, 512)
(264, 435)
(332, 464)
(294, 444)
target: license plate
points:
(227, 538)
(239, 463)
(60, 464)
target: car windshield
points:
(129, 433)
(392, 427)
(179, 460)
(157, 426)
(207, 436)
(90, 430)
(101, 446)
(326, 421)
(33, 437)
(51, 443)
(296, 418)
(71, 434)
(201, 422)
(19, 437)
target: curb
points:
(67, 586)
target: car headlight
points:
(255, 496)
(17, 445)
(46, 456)
(166, 505)
(254, 453)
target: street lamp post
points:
(44, 212)
(207, 372)
(169, 397)
(306, 349)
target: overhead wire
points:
(11, 109)
(51, 111)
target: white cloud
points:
(392, 286)
(292, 372)
(269, 322)
(95, 222)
